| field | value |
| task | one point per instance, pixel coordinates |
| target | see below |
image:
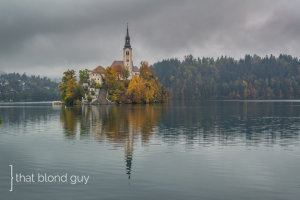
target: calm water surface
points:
(186, 150)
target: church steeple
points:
(127, 40)
(127, 55)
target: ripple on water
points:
(238, 151)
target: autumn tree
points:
(111, 80)
(69, 90)
(136, 90)
(145, 71)
(121, 71)
(140, 89)
(111, 77)
(83, 76)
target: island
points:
(120, 83)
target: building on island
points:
(97, 77)
(97, 74)
(127, 62)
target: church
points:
(127, 62)
(97, 75)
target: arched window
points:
(127, 53)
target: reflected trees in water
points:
(200, 123)
(119, 125)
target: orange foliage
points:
(121, 71)
(111, 76)
(136, 89)
(144, 88)
(146, 72)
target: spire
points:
(127, 40)
(127, 31)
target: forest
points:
(16, 87)
(251, 77)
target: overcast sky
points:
(48, 37)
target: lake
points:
(180, 150)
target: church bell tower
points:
(127, 55)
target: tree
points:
(89, 98)
(70, 91)
(111, 80)
(140, 89)
(83, 76)
(136, 89)
(126, 74)
(121, 71)
(145, 71)
(98, 86)
(68, 75)
(248, 78)
(16, 87)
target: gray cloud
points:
(48, 37)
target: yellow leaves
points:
(111, 76)
(142, 91)
(69, 89)
(117, 95)
(245, 84)
(146, 72)
(136, 89)
(110, 73)
(152, 93)
(121, 71)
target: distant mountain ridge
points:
(16, 87)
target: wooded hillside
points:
(252, 77)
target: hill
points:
(252, 77)
(16, 87)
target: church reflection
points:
(195, 123)
(122, 126)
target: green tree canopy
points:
(252, 77)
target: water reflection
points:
(113, 122)
(19, 115)
(180, 150)
(229, 123)
(208, 123)
(119, 125)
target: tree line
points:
(251, 77)
(21, 87)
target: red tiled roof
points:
(135, 69)
(120, 63)
(117, 62)
(99, 70)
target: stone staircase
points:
(102, 97)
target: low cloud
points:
(48, 37)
